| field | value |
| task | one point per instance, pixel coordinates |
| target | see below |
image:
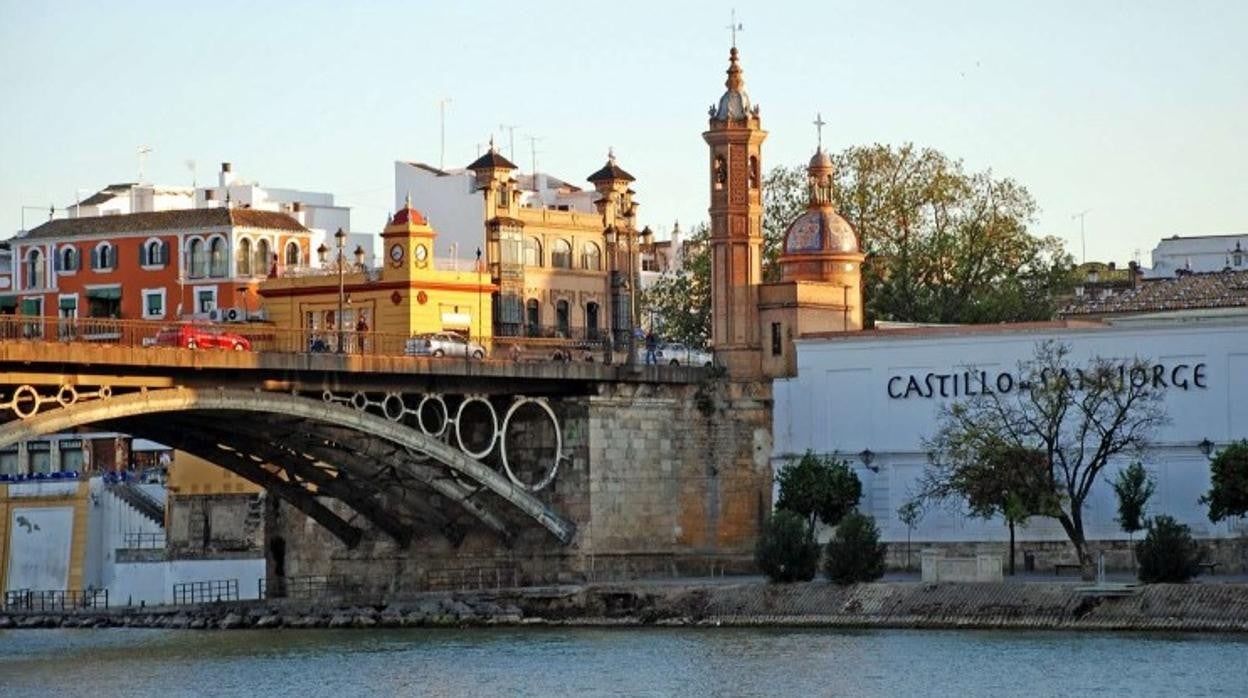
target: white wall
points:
(109, 520)
(1200, 253)
(840, 402)
(39, 546)
(152, 582)
(456, 212)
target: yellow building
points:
(381, 308)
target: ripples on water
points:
(624, 662)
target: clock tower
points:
(735, 137)
(408, 244)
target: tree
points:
(942, 244)
(786, 552)
(680, 300)
(819, 488)
(909, 514)
(1133, 487)
(855, 553)
(1167, 553)
(1077, 418)
(1228, 495)
(994, 478)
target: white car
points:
(681, 355)
(443, 344)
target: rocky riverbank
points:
(1187, 607)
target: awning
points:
(8, 302)
(456, 321)
(30, 306)
(69, 303)
(105, 294)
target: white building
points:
(874, 397)
(1199, 253)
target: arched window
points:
(591, 257)
(244, 257)
(561, 254)
(154, 253)
(34, 269)
(533, 318)
(721, 171)
(753, 172)
(69, 259)
(104, 257)
(292, 254)
(264, 257)
(532, 252)
(197, 259)
(562, 319)
(217, 257)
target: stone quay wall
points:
(1051, 606)
(659, 479)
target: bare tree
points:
(1075, 418)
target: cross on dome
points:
(819, 124)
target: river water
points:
(617, 662)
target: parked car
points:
(191, 336)
(681, 355)
(443, 344)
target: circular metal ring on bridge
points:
(390, 410)
(25, 394)
(436, 399)
(67, 395)
(359, 400)
(459, 432)
(327, 396)
(105, 392)
(554, 468)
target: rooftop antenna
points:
(442, 120)
(511, 139)
(734, 26)
(819, 124)
(1083, 241)
(190, 165)
(143, 151)
(533, 153)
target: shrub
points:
(1228, 497)
(786, 551)
(855, 553)
(1167, 553)
(820, 488)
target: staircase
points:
(132, 494)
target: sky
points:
(1131, 110)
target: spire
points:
(735, 103)
(735, 81)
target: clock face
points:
(396, 254)
(422, 253)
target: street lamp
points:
(340, 238)
(480, 319)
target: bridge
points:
(380, 444)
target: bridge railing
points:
(211, 591)
(55, 599)
(514, 342)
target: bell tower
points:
(735, 137)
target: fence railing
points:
(522, 342)
(144, 540)
(55, 599)
(211, 591)
(305, 587)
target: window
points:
(205, 299)
(153, 303)
(154, 253)
(216, 257)
(562, 319)
(34, 271)
(721, 171)
(104, 257)
(532, 252)
(509, 245)
(196, 258)
(67, 260)
(591, 257)
(753, 172)
(591, 320)
(264, 258)
(533, 317)
(561, 255)
(777, 347)
(244, 257)
(292, 254)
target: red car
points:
(200, 337)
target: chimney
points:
(226, 178)
(1134, 272)
(210, 198)
(297, 206)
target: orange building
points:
(193, 263)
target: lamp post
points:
(340, 238)
(480, 319)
